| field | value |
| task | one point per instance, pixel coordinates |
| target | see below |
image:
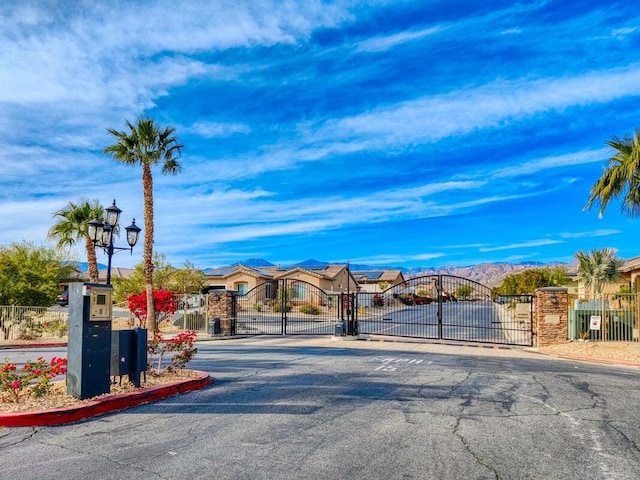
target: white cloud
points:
(571, 159)
(217, 129)
(383, 43)
(493, 105)
(594, 233)
(532, 243)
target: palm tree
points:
(72, 227)
(598, 268)
(146, 144)
(621, 177)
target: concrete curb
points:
(102, 406)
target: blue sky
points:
(404, 133)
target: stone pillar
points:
(221, 304)
(552, 316)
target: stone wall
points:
(221, 304)
(552, 316)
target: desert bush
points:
(309, 309)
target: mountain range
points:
(489, 274)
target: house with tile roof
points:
(238, 277)
(243, 279)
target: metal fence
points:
(287, 306)
(30, 323)
(190, 314)
(447, 307)
(614, 317)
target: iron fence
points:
(287, 306)
(447, 307)
(30, 323)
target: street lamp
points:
(102, 234)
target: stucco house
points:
(370, 280)
(238, 277)
(262, 283)
(243, 278)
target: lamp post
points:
(101, 233)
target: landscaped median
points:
(103, 405)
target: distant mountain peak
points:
(257, 262)
(311, 263)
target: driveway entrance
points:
(440, 307)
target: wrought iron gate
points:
(440, 307)
(449, 308)
(288, 306)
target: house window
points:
(267, 290)
(242, 288)
(299, 291)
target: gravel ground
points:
(58, 397)
(626, 351)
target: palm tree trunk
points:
(147, 187)
(91, 260)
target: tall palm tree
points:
(147, 144)
(72, 226)
(621, 178)
(598, 268)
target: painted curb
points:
(75, 413)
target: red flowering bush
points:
(378, 300)
(33, 374)
(181, 345)
(164, 302)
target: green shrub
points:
(406, 298)
(309, 309)
(257, 307)
(277, 307)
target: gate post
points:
(222, 304)
(552, 312)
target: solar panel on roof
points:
(220, 272)
(372, 275)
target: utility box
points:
(129, 354)
(121, 352)
(214, 327)
(89, 345)
(140, 358)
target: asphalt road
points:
(292, 408)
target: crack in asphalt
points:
(456, 431)
(632, 443)
(27, 436)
